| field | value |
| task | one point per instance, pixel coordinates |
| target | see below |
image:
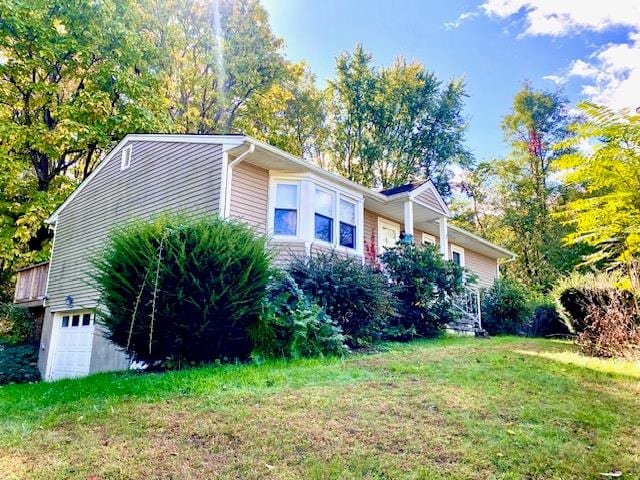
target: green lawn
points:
(450, 408)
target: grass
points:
(503, 408)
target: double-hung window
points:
(285, 218)
(347, 224)
(324, 202)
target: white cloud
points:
(611, 75)
(562, 17)
(463, 17)
(557, 79)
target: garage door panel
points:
(74, 342)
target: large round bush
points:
(354, 295)
(424, 284)
(182, 289)
(505, 308)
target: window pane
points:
(347, 235)
(457, 259)
(86, 319)
(324, 228)
(347, 212)
(75, 320)
(285, 222)
(287, 196)
(324, 203)
(65, 321)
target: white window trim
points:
(272, 209)
(334, 211)
(389, 224)
(428, 238)
(460, 251)
(125, 159)
(306, 211)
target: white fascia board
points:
(429, 185)
(507, 253)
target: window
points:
(324, 216)
(347, 224)
(427, 238)
(75, 320)
(388, 233)
(285, 219)
(457, 255)
(125, 162)
(86, 319)
(65, 321)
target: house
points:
(303, 208)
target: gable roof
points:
(407, 187)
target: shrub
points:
(576, 294)
(182, 289)
(504, 307)
(354, 295)
(16, 324)
(18, 363)
(544, 320)
(291, 326)
(612, 327)
(423, 283)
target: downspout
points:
(227, 189)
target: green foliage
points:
(391, 125)
(606, 215)
(182, 289)
(513, 199)
(354, 295)
(544, 320)
(423, 284)
(577, 294)
(504, 307)
(18, 363)
(16, 324)
(291, 326)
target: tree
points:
(395, 124)
(519, 194)
(219, 57)
(290, 115)
(74, 78)
(606, 215)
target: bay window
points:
(324, 215)
(285, 219)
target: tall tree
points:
(513, 199)
(290, 115)
(394, 124)
(219, 57)
(74, 78)
(606, 214)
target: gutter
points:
(229, 177)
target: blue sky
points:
(578, 45)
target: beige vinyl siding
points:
(249, 195)
(286, 251)
(428, 197)
(486, 268)
(163, 177)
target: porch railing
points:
(468, 303)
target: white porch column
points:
(408, 218)
(444, 238)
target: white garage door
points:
(73, 343)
